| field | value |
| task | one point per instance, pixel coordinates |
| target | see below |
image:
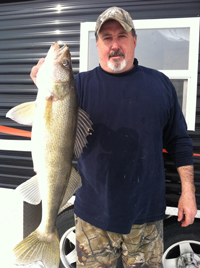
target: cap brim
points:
(126, 27)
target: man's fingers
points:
(187, 221)
(35, 70)
(40, 62)
(185, 218)
(180, 215)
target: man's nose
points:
(115, 46)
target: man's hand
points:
(187, 208)
(35, 70)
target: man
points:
(121, 205)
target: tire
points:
(66, 230)
(181, 245)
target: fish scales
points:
(57, 142)
(56, 121)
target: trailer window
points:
(168, 45)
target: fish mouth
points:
(60, 52)
(56, 47)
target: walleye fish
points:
(59, 130)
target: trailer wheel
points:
(66, 230)
(181, 245)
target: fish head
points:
(55, 76)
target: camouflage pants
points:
(142, 247)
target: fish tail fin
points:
(37, 247)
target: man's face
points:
(116, 47)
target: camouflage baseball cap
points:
(115, 13)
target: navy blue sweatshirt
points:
(135, 115)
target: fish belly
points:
(53, 137)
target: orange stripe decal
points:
(27, 134)
(164, 151)
(15, 131)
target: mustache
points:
(116, 53)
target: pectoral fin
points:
(23, 113)
(84, 128)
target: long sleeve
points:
(175, 137)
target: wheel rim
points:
(67, 248)
(184, 254)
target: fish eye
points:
(66, 63)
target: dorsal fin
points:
(84, 128)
